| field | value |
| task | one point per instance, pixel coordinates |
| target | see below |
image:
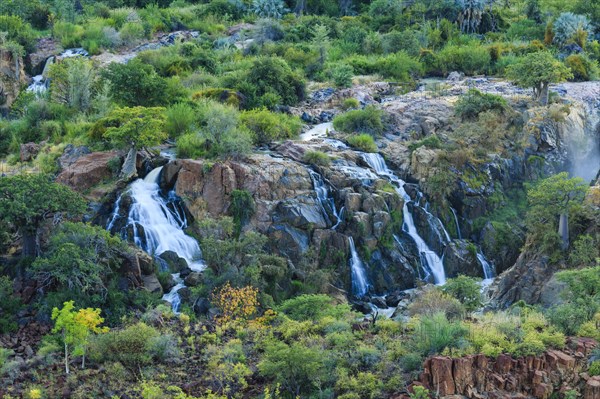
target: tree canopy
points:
(26, 201)
(136, 127)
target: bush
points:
(407, 41)
(135, 83)
(317, 158)
(369, 120)
(131, 346)
(363, 142)
(18, 31)
(341, 74)
(466, 290)
(269, 77)
(268, 126)
(399, 66)
(433, 300)
(180, 119)
(470, 105)
(190, 145)
(471, 60)
(434, 333)
(571, 28)
(350, 103)
(582, 67)
(132, 33)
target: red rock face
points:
(477, 376)
(88, 171)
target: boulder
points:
(89, 170)
(429, 227)
(29, 151)
(592, 388)
(460, 257)
(288, 241)
(302, 212)
(152, 284)
(71, 154)
(174, 263)
(12, 78)
(168, 282)
(146, 263)
(194, 279)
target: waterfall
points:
(456, 223)
(488, 270)
(360, 282)
(429, 258)
(157, 226)
(325, 199)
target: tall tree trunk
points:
(129, 169)
(563, 230)
(300, 7)
(66, 358)
(544, 94)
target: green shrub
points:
(180, 119)
(363, 142)
(582, 67)
(68, 34)
(341, 74)
(434, 300)
(435, 333)
(312, 307)
(317, 158)
(369, 120)
(399, 66)
(594, 368)
(268, 126)
(131, 346)
(269, 77)
(18, 31)
(407, 41)
(135, 83)
(471, 60)
(432, 141)
(466, 290)
(190, 145)
(525, 30)
(470, 105)
(350, 103)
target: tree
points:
(551, 200)
(76, 327)
(269, 8)
(571, 28)
(466, 290)
(538, 70)
(272, 76)
(133, 128)
(235, 304)
(72, 82)
(26, 201)
(135, 83)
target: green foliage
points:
(72, 82)
(312, 307)
(466, 290)
(8, 307)
(341, 74)
(269, 8)
(268, 126)
(571, 28)
(27, 200)
(293, 366)
(136, 127)
(135, 84)
(470, 105)
(180, 119)
(432, 142)
(272, 76)
(419, 392)
(434, 333)
(79, 258)
(350, 103)
(369, 120)
(317, 158)
(242, 208)
(364, 142)
(17, 31)
(433, 301)
(131, 346)
(472, 59)
(583, 68)
(538, 70)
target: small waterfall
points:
(157, 226)
(360, 282)
(456, 223)
(325, 199)
(429, 258)
(488, 270)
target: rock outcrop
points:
(89, 170)
(478, 376)
(12, 77)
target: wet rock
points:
(146, 263)
(460, 257)
(194, 279)
(288, 241)
(300, 213)
(168, 282)
(173, 261)
(503, 253)
(201, 306)
(429, 227)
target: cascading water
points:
(325, 199)
(458, 233)
(488, 270)
(429, 258)
(157, 226)
(360, 282)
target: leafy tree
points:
(538, 70)
(272, 76)
(553, 200)
(135, 83)
(72, 82)
(221, 131)
(242, 208)
(136, 127)
(26, 201)
(80, 259)
(76, 327)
